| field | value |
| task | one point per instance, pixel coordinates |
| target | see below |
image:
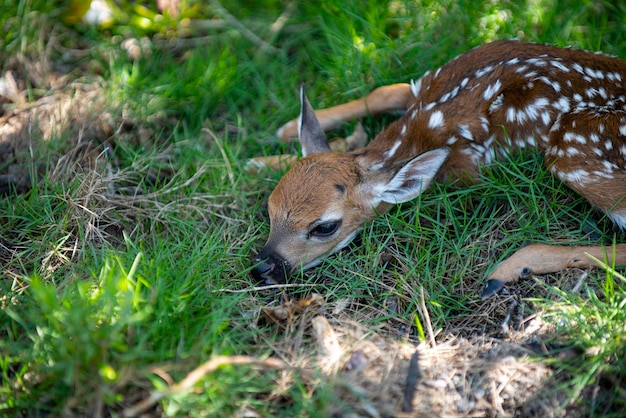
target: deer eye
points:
(325, 230)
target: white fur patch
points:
(436, 120)
(491, 90)
(416, 86)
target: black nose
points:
(264, 267)
(270, 268)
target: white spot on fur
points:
(465, 132)
(490, 156)
(609, 167)
(521, 69)
(449, 95)
(416, 86)
(559, 66)
(484, 123)
(491, 90)
(436, 120)
(594, 73)
(445, 97)
(574, 137)
(537, 62)
(571, 152)
(510, 114)
(562, 105)
(602, 174)
(484, 71)
(552, 83)
(574, 176)
(530, 74)
(391, 152)
(496, 104)
(532, 110)
(515, 115)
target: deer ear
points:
(414, 177)
(310, 133)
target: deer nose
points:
(270, 268)
(263, 267)
(262, 272)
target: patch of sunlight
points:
(490, 24)
(365, 48)
(397, 8)
(497, 18)
(536, 10)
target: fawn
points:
(481, 106)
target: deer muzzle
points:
(270, 267)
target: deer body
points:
(478, 108)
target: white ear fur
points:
(414, 177)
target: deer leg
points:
(384, 99)
(586, 151)
(543, 259)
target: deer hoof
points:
(491, 287)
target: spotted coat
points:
(507, 95)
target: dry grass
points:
(368, 369)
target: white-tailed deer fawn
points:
(479, 107)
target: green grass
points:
(121, 283)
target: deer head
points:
(321, 203)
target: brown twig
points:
(426, 316)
